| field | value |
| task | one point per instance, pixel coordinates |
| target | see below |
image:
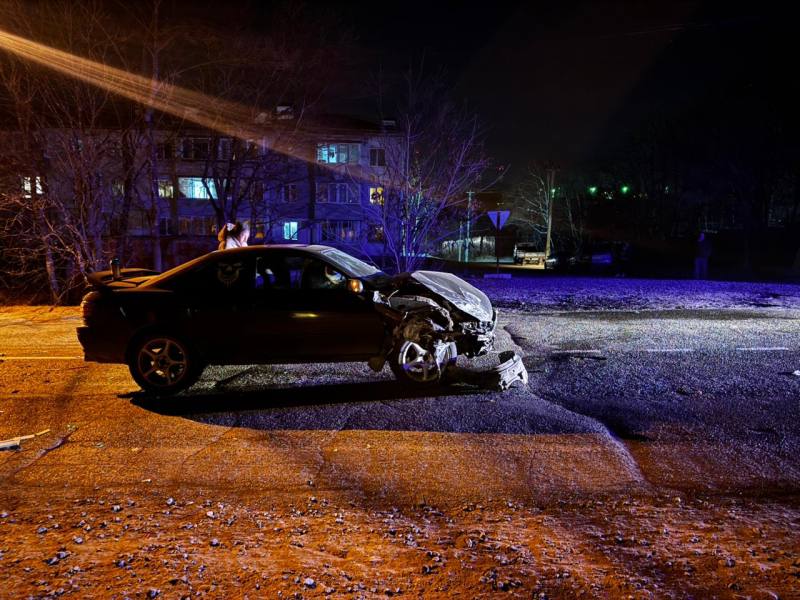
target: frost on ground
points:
(594, 293)
(205, 545)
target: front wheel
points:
(415, 364)
(162, 364)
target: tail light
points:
(89, 306)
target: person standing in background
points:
(701, 256)
(233, 235)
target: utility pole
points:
(550, 195)
(469, 218)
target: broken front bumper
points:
(510, 372)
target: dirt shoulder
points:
(204, 544)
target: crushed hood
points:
(456, 291)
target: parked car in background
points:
(281, 304)
(557, 261)
(602, 258)
(528, 254)
(580, 261)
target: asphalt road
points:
(687, 401)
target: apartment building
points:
(319, 183)
(321, 180)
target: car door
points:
(306, 311)
(217, 305)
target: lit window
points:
(118, 188)
(165, 189)
(290, 230)
(337, 154)
(196, 187)
(376, 195)
(29, 184)
(377, 157)
(260, 231)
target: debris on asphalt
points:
(509, 373)
(15, 442)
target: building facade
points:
(315, 182)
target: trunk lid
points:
(129, 278)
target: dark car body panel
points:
(239, 307)
(250, 327)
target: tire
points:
(415, 366)
(162, 364)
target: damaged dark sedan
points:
(281, 304)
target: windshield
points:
(349, 264)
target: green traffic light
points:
(593, 189)
(625, 189)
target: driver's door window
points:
(309, 312)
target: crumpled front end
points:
(427, 322)
(478, 336)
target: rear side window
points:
(227, 275)
(296, 272)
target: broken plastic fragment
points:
(511, 371)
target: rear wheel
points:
(162, 364)
(415, 364)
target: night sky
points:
(570, 82)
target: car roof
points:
(317, 249)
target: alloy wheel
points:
(162, 362)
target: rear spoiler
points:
(106, 279)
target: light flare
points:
(212, 113)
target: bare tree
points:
(66, 152)
(433, 158)
(532, 202)
(548, 209)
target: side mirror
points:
(355, 286)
